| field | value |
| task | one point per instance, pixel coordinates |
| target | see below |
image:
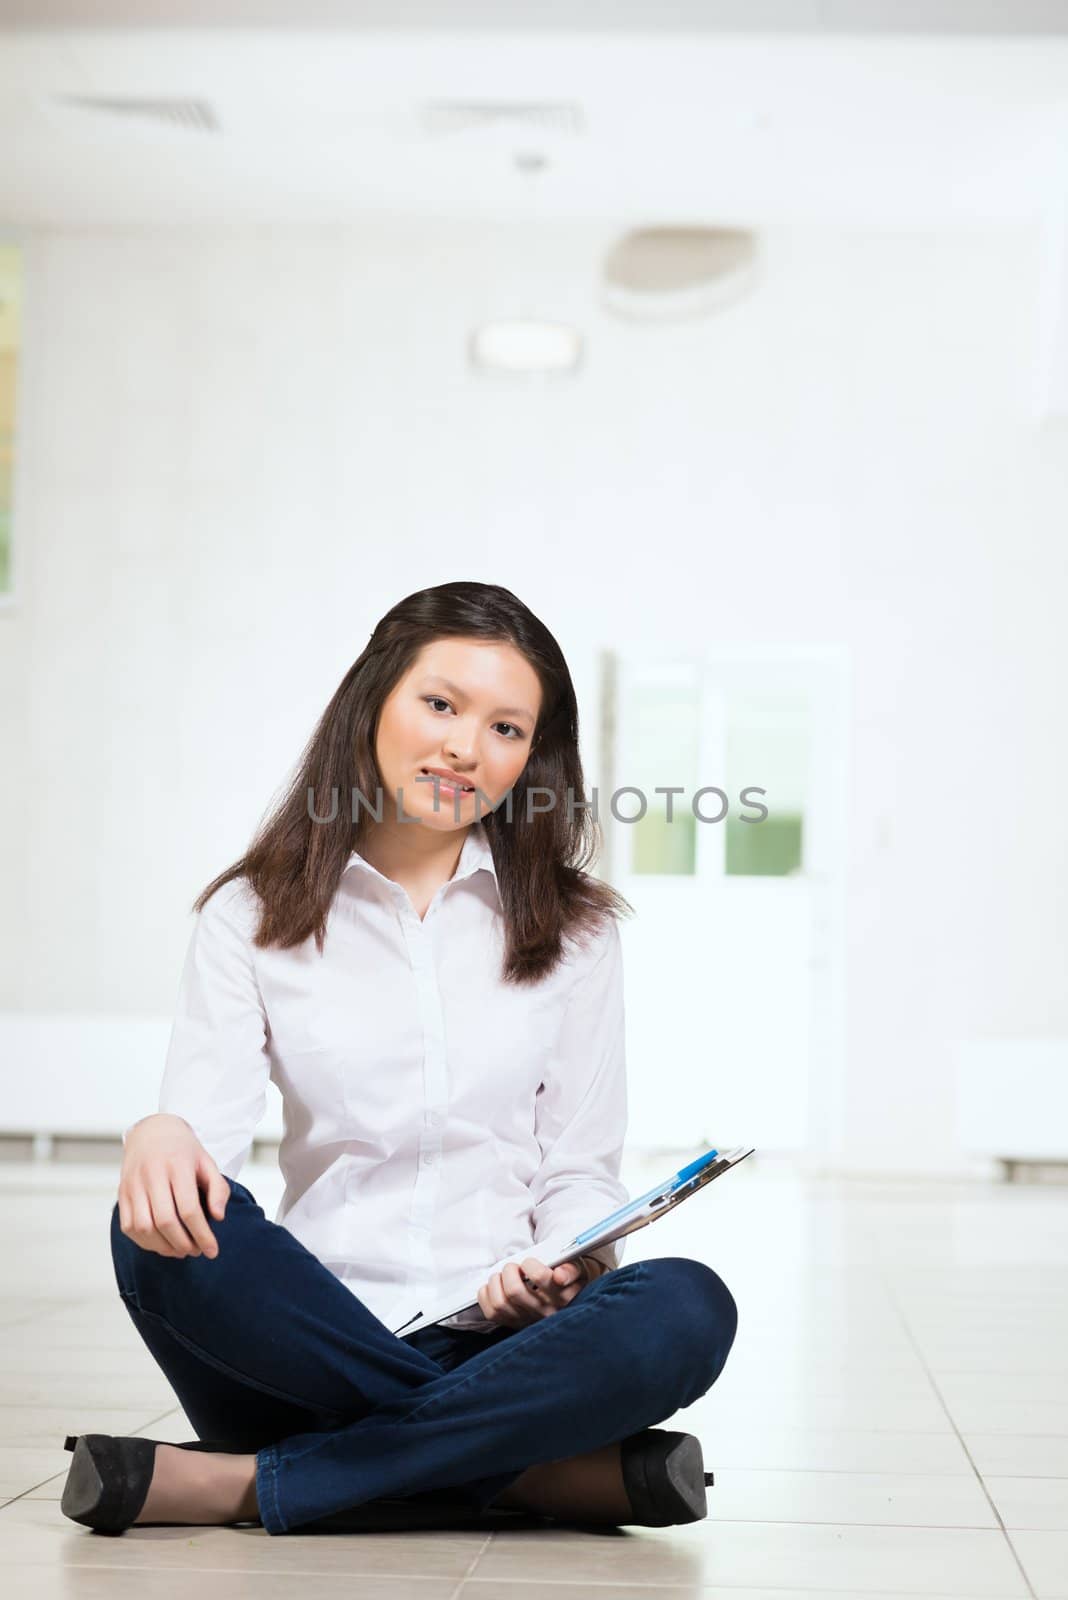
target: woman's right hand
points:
(164, 1167)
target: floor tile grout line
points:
(454, 1594)
(35, 1405)
(735, 1589)
(45, 1500)
(719, 1522)
(895, 1302)
(27, 1494)
(261, 1572)
(811, 1522)
(724, 1522)
(614, 1584)
(838, 1522)
(63, 1474)
(792, 1593)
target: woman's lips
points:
(444, 786)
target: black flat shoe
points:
(665, 1478)
(109, 1478)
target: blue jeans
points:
(269, 1352)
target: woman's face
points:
(466, 706)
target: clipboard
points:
(648, 1207)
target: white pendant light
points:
(517, 346)
(526, 345)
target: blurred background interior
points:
(732, 337)
(742, 357)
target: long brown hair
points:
(295, 860)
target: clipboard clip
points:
(404, 1325)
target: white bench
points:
(1012, 1100)
(86, 1076)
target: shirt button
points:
(429, 1159)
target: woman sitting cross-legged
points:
(438, 996)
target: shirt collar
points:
(476, 856)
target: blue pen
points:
(681, 1178)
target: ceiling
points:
(644, 113)
(991, 17)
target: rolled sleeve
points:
(581, 1110)
(218, 1066)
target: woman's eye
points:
(439, 700)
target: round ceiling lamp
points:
(670, 274)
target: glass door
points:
(723, 816)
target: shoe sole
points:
(685, 1469)
(664, 1488)
(84, 1486)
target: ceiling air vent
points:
(560, 117)
(175, 113)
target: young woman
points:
(433, 981)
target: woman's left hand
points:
(506, 1299)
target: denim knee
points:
(699, 1321)
(132, 1261)
(123, 1253)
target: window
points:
(768, 741)
(662, 718)
(728, 724)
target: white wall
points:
(237, 450)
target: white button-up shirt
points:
(438, 1122)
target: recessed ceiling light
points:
(526, 346)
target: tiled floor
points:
(893, 1420)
